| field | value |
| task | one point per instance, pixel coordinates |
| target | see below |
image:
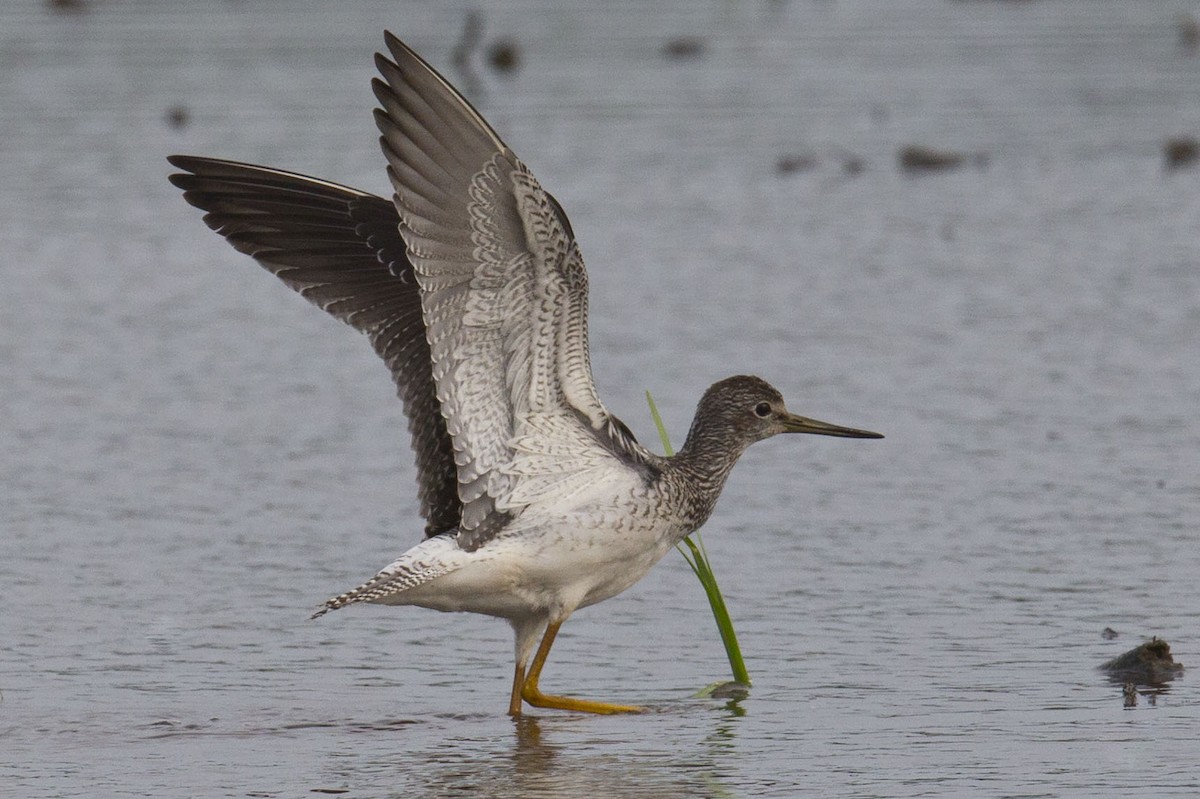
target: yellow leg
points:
(531, 694)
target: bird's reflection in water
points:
(529, 753)
(574, 757)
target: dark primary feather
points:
(341, 249)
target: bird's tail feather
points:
(419, 565)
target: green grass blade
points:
(702, 568)
(658, 422)
(708, 579)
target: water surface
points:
(194, 458)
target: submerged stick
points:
(702, 568)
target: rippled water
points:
(193, 458)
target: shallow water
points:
(194, 458)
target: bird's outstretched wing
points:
(504, 294)
(341, 249)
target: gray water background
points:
(193, 458)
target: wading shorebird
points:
(471, 287)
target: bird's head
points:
(745, 409)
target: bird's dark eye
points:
(762, 410)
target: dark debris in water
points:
(464, 49)
(1108, 633)
(791, 164)
(504, 55)
(1181, 151)
(853, 165)
(67, 6)
(796, 163)
(1189, 32)
(683, 47)
(177, 117)
(916, 158)
(1150, 663)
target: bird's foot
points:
(535, 697)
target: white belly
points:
(541, 566)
